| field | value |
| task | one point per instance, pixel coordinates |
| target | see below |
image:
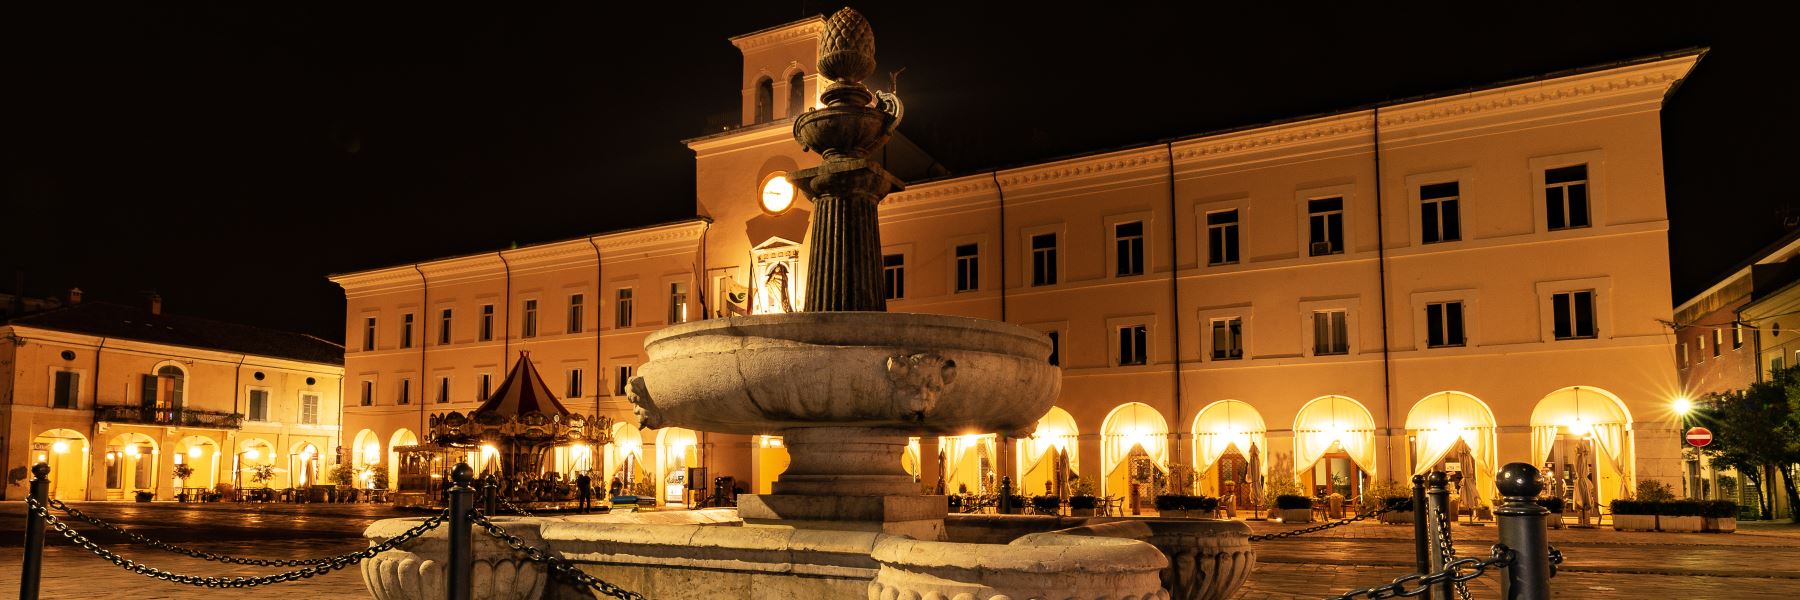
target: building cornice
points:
(755, 40)
(161, 350)
(535, 256)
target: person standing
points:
(583, 486)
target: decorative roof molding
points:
(535, 256)
(1656, 76)
(1090, 166)
(651, 237)
(939, 190)
(1316, 130)
(750, 42)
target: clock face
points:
(777, 195)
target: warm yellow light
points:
(306, 453)
(777, 195)
(42, 458)
(195, 452)
(489, 449)
(372, 452)
(60, 447)
(251, 454)
(1683, 405)
(131, 450)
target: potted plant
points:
(1391, 494)
(182, 471)
(1719, 516)
(1683, 516)
(1046, 505)
(144, 495)
(1293, 508)
(1554, 504)
(1082, 502)
(1633, 515)
(956, 501)
(1185, 506)
(378, 477)
(1016, 506)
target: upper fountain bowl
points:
(926, 374)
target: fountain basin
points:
(912, 373)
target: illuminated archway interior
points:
(677, 449)
(1048, 459)
(969, 464)
(1334, 446)
(130, 464)
(67, 454)
(1230, 441)
(1452, 429)
(1134, 451)
(201, 454)
(1581, 437)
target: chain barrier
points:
(161, 545)
(1457, 571)
(1556, 558)
(515, 508)
(308, 570)
(1447, 549)
(557, 566)
(1398, 506)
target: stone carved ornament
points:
(919, 379)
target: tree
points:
(1756, 429)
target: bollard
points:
(1421, 549)
(1004, 505)
(1522, 528)
(1438, 497)
(462, 558)
(490, 495)
(34, 534)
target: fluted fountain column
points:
(844, 256)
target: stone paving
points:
(1761, 560)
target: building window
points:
(574, 384)
(486, 383)
(1134, 345)
(1566, 197)
(487, 322)
(68, 388)
(765, 100)
(1440, 218)
(1737, 335)
(406, 328)
(1325, 224)
(1055, 347)
(968, 268)
(575, 313)
(1043, 259)
(368, 333)
(893, 271)
(1222, 237)
(1331, 332)
(1128, 245)
(406, 391)
(368, 393)
(678, 303)
(528, 321)
(444, 320)
(1681, 355)
(1700, 345)
(796, 94)
(309, 409)
(1444, 325)
(259, 405)
(443, 395)
(1228, 339)
(624, 318)
(1574, 315)
(623, 379)
(1718, 340)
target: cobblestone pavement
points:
(1760, 561)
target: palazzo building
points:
(120, 400)
(1456, 282)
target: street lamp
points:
(1683, 405)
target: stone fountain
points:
(845, 383)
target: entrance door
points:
(1234, 480)
(1575, 475)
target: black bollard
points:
(462, 558)
(1522, 528)
(1421, 549)
(1004, 506)
(34, 534)
(490, 495)
(1437, 495)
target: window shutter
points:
(148, 397)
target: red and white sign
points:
(1699, 436)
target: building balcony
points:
(172, 417)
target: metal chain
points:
(515, 508)
(1447, 550)
(324, 566)
(1407, 505)
(557, 565)
(160, 545)
(1457, 571)
(1556, 558)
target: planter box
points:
(1719, 524)
(1555, 520)
(1634, 522)
(1189, 514)
(1083, 512)
(1680, 524)
(1295, 515)
(1399, 517)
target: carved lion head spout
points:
(919, 379)
(648, 414)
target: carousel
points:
(521, 438)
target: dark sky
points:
(230, 156)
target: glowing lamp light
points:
(372, 452)
(251, 454)
(42, 458)
(777, 195)
(1683, 405)
(306, 453)
(60, 448)
(194, 452)
(131, 450)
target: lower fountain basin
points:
(923, 374)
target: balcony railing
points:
(177, 417)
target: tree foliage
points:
(1757, 427)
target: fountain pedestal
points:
(847, 478)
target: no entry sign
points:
(1699, 436)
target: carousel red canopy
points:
(523, 392)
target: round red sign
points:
(1699, 436)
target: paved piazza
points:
(1759, 561)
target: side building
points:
(121, 400)
(1451, 282)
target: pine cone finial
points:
(847, 47)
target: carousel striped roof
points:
(522, 392)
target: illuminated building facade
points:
(1456, 282)
(120, 400)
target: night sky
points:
(231, 156)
